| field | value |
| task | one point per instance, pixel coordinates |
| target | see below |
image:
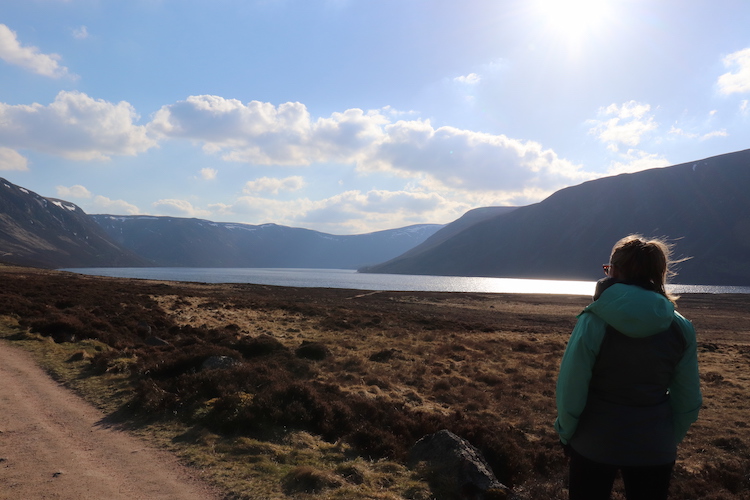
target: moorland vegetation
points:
(320, 393)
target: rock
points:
(219, 363)
(455, 469)
(143, 328)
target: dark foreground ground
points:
(368, 372)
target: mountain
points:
(47, 232)
(702, 207)
(467, 220)
(181, 242)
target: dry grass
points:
(331, 387)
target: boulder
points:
(455, 469)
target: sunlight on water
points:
(347, 278)
(344, 278)
(509, 285)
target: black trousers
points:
(591, 480)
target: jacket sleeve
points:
(575, 373)
(684, 390)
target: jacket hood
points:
(633, 311)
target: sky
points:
(353, 116)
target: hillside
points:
(180, 242)
(702, 207)
(46, 232)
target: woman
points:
(628, 388)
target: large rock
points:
(455, 469)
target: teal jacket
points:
(636, 313)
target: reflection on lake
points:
(347, 278)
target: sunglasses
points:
(607, 268)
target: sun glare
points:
(573, 21)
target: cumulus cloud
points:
(76, 191)
(74, 126)
(12, 160)
(274, 186)
(623, 124)
(179, 208)
(263, 134)
(467, 160)
(737, 80)
(102, 204)
(208, 174)
(28, 57)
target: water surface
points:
(347, 278)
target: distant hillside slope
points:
(180, 242)
(450, 230)
(703, 207)
(46, 232)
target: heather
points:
(320, 393)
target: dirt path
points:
(53, 446)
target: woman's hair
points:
(644, 262)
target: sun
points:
(573, 22)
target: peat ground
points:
(321, 392)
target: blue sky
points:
(351, 116)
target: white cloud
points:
(12, 160)
(274, 186)
(102, 204)
(715, 133)
(470, 79)
(74, 126)
(30, 58)
(627, 125)
(179, 208)
(76, 191)
(351, 211)
(680, 132)
(737, 80)
(390, 111)
(467, 160)
(744, 107)
(693, 135)
(635, 161)
(81, 33)
(263, 134)
(208, 174)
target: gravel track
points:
(53, 445)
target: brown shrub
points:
(312, 350)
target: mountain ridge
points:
(47, 232)
(702, 207)
(182, 242)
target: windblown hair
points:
(644, 262)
